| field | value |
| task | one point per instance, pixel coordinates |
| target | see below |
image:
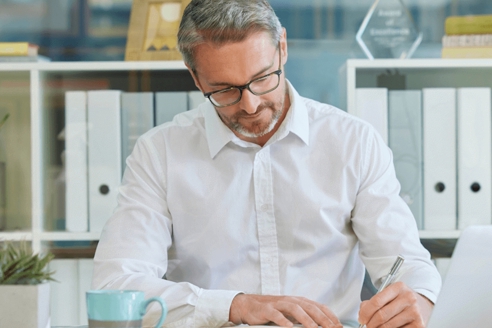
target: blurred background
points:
(321, 33)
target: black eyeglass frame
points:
(246, 86)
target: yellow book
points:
(467, 52)
(472, 24)
(18, 49)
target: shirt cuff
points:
(430, 295)
(212, 307)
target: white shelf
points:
(64, 236)
(95, 66)
(37, 89)
(418, 74)
(431, 63)
(16, 235)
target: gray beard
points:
(241, 130)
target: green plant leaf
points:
(18, 265)
(4, 119)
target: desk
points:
(236, 326)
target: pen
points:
(394, 270)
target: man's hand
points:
(396, 306)
(281, 310)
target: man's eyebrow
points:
(226, 84)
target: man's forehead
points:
(253, 53)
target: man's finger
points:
(387, 313)
(378, 301)
(321, 315)
(278, 318)
(330, 315)
(402, 319)
(297, 312)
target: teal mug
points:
(119, 308)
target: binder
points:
(76, 209)
(104, 135)
(85, 268)
(195, 98)
(372, 106)
(439, 133)
(168, 104)
(474, 156)
(64, 292)
(137, 117)
(405, 141)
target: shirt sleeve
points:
(133, 249)
(385, 225)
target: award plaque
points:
(388, 31)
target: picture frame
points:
(153, 29)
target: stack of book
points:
(468, 37)
(20, 52)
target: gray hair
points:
(224, 21)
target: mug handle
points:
(146, 303)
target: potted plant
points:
(24, 287)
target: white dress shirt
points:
(203, 215)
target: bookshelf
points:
(418, 74)
(34, 91)
(34, 95)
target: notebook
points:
(466, 296)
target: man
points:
(260, 205)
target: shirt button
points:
(264, 207)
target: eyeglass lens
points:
(258, 87)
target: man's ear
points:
(195, 78)
(283, 45)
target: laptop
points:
(466, 295)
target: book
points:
(137, 117)
(76, 199)
(18, 49)
(405, 141)
(439, 147)
(473, 126)
(372, 107)
(64, 292)
(195, 98)
(168, 104)
(104, 154)
(472, 24)
(467, 52)
(467, 40)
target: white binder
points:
(104, 155)
(474, 157)
(439, 121)
(195, 98)
(85, 269)
(76, 209)
(372, 106)
(405, 140)
(168, 104)
(64, 292)
(137, 117)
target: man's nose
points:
(249, 102)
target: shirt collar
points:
(296, 121)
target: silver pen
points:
(389, 278)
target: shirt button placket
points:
(267, 230)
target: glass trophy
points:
(388, 31)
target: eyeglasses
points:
(260, 86)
